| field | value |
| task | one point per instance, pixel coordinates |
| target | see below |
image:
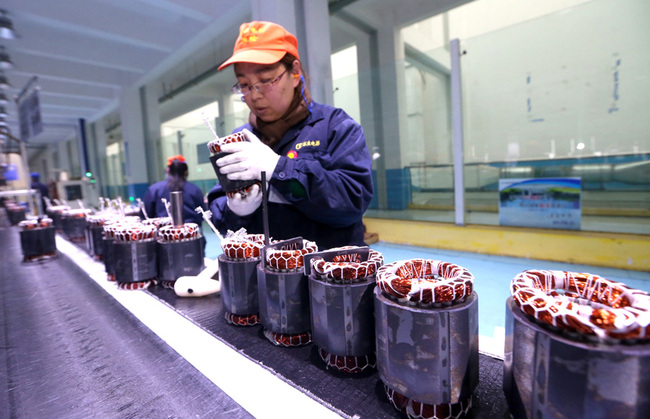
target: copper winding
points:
(58, 209)
(414, 409)
(111, 225)
(425, 281)
(76, 213)
(102, 219)
(34, 224)
(135, 286)
(241, 246)
(215, 145)
(166, 284)
(109, 229)
(590, 305)
(242, 319)
(158, 222)
(134, 233)
(98, 220)
(188, 231)
(349, 364)
(349, 267)
(286, 340)
(287, 259)
(243, 191)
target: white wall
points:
(554, 82)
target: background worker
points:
(42, 188)
(315, 156)
(176, 181)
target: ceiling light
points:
(3, 98)
(3, 123)
(3, 112)
(6, 26)
(4, 83)
(5, 60)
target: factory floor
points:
(74, 346)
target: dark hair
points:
(177, 175)
(288, 60)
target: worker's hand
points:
(248, 159)
(246, 204)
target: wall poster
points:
(542, 203)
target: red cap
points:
(178, 157)
(262, 43)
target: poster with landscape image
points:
(542, 203)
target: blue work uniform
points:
(320, 188)
(44, 190)
(192, 198)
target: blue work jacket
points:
(319, 189)
(192, 198)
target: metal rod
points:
(457, 132)
(177, 208)
(265, 210)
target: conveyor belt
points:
(69, 350)
(356, 395)
(83, 324)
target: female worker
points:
(176, 181)
(317, 164)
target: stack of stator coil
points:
(135, 255)
(426, 316)
(284, 292)
(37, 239)
(180, 245)
(74, 224)
(341, 284)
(238, 275)
(598, 327)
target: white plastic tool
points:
(200, 285)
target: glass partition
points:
(565, 101)
(559, 92)
(115, 170)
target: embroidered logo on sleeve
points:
(311, 143)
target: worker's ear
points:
(296, 72)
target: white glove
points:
(248, 159)
(243, 205)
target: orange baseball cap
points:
(178, 157)
(262, 43)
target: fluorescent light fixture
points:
(6, 26)
(4, 83)
(5, 60)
